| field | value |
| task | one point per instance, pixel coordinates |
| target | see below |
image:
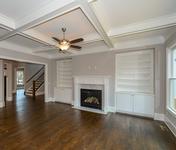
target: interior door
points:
(5, 89)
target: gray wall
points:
(31, 69)
(104, 64)
(96, 64)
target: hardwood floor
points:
(35, 125)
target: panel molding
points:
(160, 117)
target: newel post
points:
(33, 92)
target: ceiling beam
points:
(53, 14)
(86, 8)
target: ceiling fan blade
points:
(76, 47)
(56, 39)
(76, 40)
(65, 51)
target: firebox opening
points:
(91, 98)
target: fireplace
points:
(91, 98)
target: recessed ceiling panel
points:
(116, 13)
(24, 42)
(16, 9)
(75, 22)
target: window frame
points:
(169, 78)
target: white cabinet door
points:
(124, 102)
(64, 95)
(144, 104)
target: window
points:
(64, 73)
(172, 80)
(20, 77)
(134, 72)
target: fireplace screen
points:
(91, 98)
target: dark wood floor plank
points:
(34, 125)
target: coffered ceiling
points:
(28, 26)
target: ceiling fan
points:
(63, 45)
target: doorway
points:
(20, 78)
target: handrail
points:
(34, 89)
(39, 86)
(40, 76)
(34, 75)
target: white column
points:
(2, 104)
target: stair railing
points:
(34, 89)
(29, 82)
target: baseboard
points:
(111, 109)
(40, 93)
(1, 104)
(49, 99)
(170, 125)
(64, 102)
(135, 114)
(160, 117)
(9, 98)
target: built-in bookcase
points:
(64, 73)
(135, 83)
(134, 72)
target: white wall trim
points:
(134, 114)
(1, 104)
(111, 109)
(50, 99)
(9, 98)
(160, 117)
(170, 125)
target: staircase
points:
(35, 84)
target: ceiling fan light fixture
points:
(64, 45)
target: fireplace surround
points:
(96, 83)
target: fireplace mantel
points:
(91, 80)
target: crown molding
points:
(5, 21)
(144, 26)
(119, 47)
(139, 43)
(18, 48)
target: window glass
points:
(174, 63)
